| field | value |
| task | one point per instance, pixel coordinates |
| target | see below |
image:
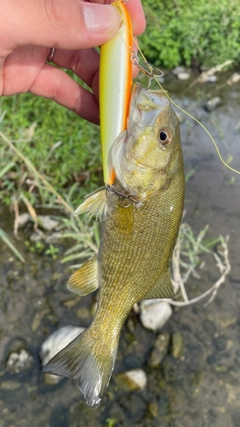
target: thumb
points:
(65, 24)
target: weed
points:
(7, 240)
(110, 422)
(52, 251)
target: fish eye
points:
(165, 137)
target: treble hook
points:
(112, 190)
(148, 72)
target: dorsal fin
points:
(95, 204)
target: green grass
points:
(191, 32)
(61, 145)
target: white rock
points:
(135, 379)
(177, 70)
(183, 76)
(53, 238)
(212, 103)
(18, 361)
(55, 343)
(35, 237)
(211, 79)
(23, 219)
(47, 223)
(154, 314)
(138, 377)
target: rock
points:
(183, 76)
(10, 385)
(177, 345)
(136, 379)
(178, 70)
(55, 343)
(38, 318)
(19, 361)
(160, 349)
(220, 343)
(154, 314)
(224, 320)
(47, 223)
(23, 219)
(72, 301)
(212, 104)
(53, 238)
(153, 409)
(35, 237)
(82, 312)
(211, 79)
(209, 326)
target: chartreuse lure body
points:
(115, 87)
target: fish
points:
(115, 83)
(141, 214)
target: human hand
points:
(28, 31)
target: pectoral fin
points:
(95, 204)
(84, 280)
(163, 288)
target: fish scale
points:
(145, 234)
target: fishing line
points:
(184, 111)
(156, 78)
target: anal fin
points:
(85, 279)
(163, 288)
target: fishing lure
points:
(115, 87)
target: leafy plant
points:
(187, 32)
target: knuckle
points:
(56, 12)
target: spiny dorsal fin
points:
(163, 288)
(84, 280)
(95, 204)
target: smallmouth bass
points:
(142, 214)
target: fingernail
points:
(101, 18)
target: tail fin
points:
(89, 361)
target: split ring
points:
(51, 54)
